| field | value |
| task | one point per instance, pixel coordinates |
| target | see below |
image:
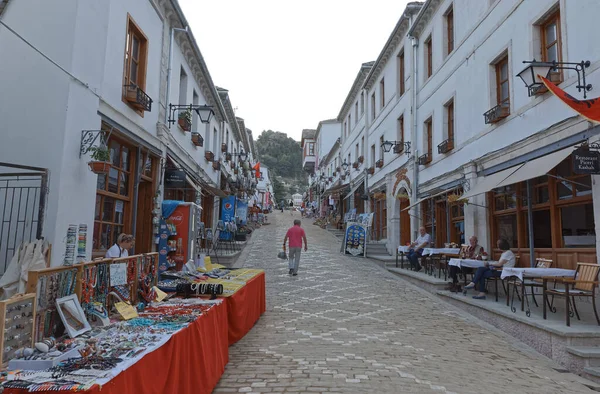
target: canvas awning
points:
(537, 167)
(335, 189)
(354, 189)
(427, 198)
(489, 182)
(215, 192)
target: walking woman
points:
(507, 259)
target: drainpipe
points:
(169, 70)
(364, 153)
(413, 132)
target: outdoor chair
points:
(525, 283)
(499, 279)
(583, 284)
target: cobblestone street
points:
(346, 325)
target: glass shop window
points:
(506, 228)
(577, 226)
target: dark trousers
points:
(454, 270)
(413, 257)
(482, 274)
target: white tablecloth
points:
(536, 272)
(432, 251)
(403, 249)
(469, 263)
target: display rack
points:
(17, 329)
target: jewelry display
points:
(17, 315)
(81, 242)
(70, 245)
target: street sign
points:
(586, 161)
(175, 179)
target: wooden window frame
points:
(382, 93)
(429, 137)
(450, 118)
(555, 76)
(498, 67)
(449, 30)
(429, 57)
(362, 103)
(356, 111)
(400, 125)
(373, 112)
(401, 74)
(134, 30)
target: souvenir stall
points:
(106, 326)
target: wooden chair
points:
(497, 279)
(531, 283)
(583, 284)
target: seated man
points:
(417, 247)
(474, 251)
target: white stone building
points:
(108, 71)
(446, 82)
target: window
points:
(502, 83)
(215, 142)
(136, 53)
(373, 159)
(400, 128)
(450, 122)
(349, 122)
(372, 107)
(570, 185)
(195, 117)
(362, 145)
(551, 43)
(362, 103)
(427, 216)
(449, 30)
(356, 154)
(457, 218)
(349, 159)
(401, 73)
(356, 111)
(381, 152)
(182, 87)
(345, 129)
(311, 149)
(382, 93)
(429, 138)
(428, 58)
(113, 195)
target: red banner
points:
(589, 109)
(257, 169)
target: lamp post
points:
(531, 74)
(399, 147)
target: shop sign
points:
(355, 239)
(586, 161)
(175, 179)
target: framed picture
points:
(72, 315)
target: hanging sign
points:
(242, 211)
(227, 208)
(355, 239)
(118, 274)
(586, 161)
(175, 179)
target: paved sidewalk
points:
(345, 325)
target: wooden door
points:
(143, 225)
(441, 219)
(405, 237)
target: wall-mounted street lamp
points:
(533, 83)
(345, 165)
(242, 155)
(399, 147)
(204, 112)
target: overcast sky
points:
(289, 64)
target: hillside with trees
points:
(283, 156)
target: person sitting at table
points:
(417, 247)
(473, 251)
(507, 259)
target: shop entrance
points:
(143, 223)
(404, 222)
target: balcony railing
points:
(424, 159)
(379, 163)
(138, 98)
(496, 114)
(446, 146)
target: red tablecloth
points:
(245, 307)
(192, 361)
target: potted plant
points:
(361, 159)
(216, 165)
(209, 156)
(197, 139)
(100, 163)
(355, 164)
(185, 120)
(371, 170)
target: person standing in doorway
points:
(295, 234)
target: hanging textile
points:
(589, 109)
(168, 207)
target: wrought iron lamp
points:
(345, 165)
(530, 74)
(204, 112)
(388, 145)
(242, 155)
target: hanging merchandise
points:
(70, 244)
(29, 256)
(81, 243)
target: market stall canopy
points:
(537, 167)
(426, 198)
(337, 189)
(216, 192)
(489, 182)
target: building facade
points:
(109, 77)
(472, 150)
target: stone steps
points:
(590, 360)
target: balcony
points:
(399, 148)
(496, 114)
(446, 146)
(379, 163)
(355, 164)
(424, 159)
(209, 156)
(137, 98)
(308, 163)
(371, 170)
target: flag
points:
(257, 169)
(589, 109)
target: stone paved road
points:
(345, 325)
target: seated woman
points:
(474, 251)
(507, 259)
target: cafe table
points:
(432, 251)
(522, 274)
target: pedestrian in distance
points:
(295, 234)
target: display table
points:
(245, 307)
(192, 361)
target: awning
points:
(336, 189)
(490, 182)
(427, 198)
(215, 192)
(354, 189)
(537, 167)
